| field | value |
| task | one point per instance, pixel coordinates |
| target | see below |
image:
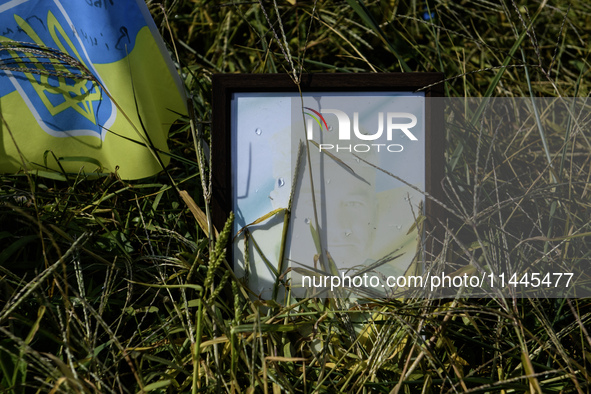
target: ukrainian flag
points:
(85, 85)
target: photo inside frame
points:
(314, 193)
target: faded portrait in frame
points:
(325, 181)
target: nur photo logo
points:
(397, 124)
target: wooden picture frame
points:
(229, 88)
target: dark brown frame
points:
(224, 85)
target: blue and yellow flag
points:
(85, 85)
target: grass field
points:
(112, 286)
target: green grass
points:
(114, 286)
